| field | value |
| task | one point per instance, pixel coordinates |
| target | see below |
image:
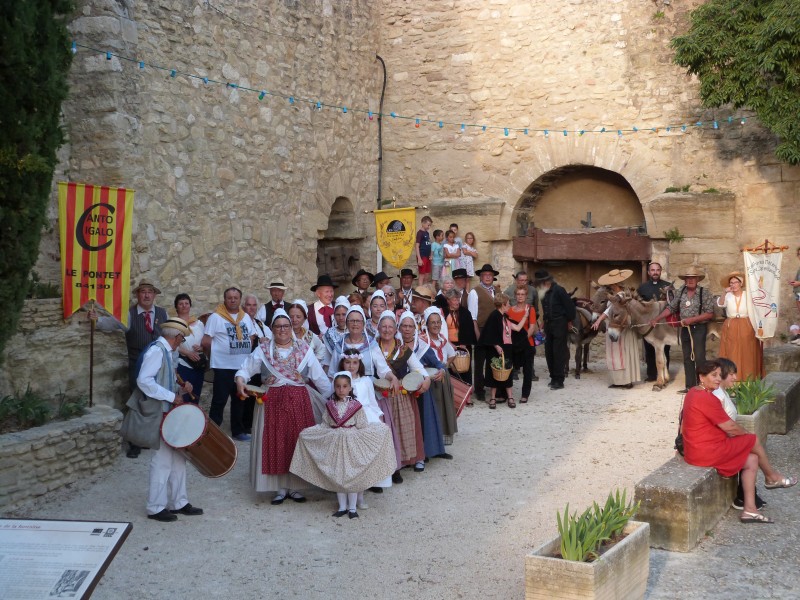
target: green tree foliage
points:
(34, 60)
(747, 53)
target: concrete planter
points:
(757, 423)
(621, 573)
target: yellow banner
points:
(396, 234)
(95, 230)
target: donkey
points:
(582, 334)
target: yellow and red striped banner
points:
(95, 229)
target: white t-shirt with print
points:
(226, 351)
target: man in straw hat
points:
(480, 303)
(558, 310)
(276, 289)
(652, 289)
(166, 495)
(144, 327)
(622, 354)
(695, 309)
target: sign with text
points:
(396, 233)
(56, 559)
(763, 272)
(95, 229)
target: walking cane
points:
(93, 322)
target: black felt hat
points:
(363, 272)
(322, 281)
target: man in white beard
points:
(558, 310)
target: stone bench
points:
(682, 503)
(782, 414)
(782, 358)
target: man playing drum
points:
(166, 496)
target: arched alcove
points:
(338, 251)
(578, 222)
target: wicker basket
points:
(501, 374)
(462, 360)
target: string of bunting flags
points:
(418, 121)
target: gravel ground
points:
(461, 529)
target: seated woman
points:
(712, 439)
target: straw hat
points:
(277, 284)
(614, 276)
(145, 283)
(178, 325)
(725, 281)
(693, 271)
(423, 292)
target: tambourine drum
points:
(431, 371)
(412, 381)
(255, 391)
(462, 392)
(381, 384)
(187, 430)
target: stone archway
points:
(338, 251)
(579, 221)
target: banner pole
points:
(93, 322)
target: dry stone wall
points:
(43, 459)
(576, 64)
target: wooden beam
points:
(604, 245)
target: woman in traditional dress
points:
(447, 283)
(346, 453)
(298, 314)
(192, 363)
(441, 388)
(496, 338)
(377, 304)
(405, 412)
(712, 439)
(333, 336)
(287, 366)
(357, 339)
(739, 342)
(623, 356)
(460, 330)
(432, 432)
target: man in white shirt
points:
(276, 291)
(166, 494)
(230, 335)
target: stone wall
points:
(43, 459)
(230, 189)
(573, 65)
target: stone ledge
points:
(782, 414)
(783, 359)
(43, 459)
(682, 503)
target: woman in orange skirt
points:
(739, 342)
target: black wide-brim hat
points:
(459, 274)
(379, 276)
(363, 272)
(322, 281)
(406, 273)
(541, 277)
(487, 268)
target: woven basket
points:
(501, 374)
(461, 361)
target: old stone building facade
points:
(231, 189)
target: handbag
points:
(679, 437)
(200, 364)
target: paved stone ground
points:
(459, 530)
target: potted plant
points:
(601, 553)
(751, 396)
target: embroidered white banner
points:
(763, 273)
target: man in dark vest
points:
(276, 291)
(460, 279)
(320, 314)
(558, 310)
(480, 303)
(651, 290)
(144, 327)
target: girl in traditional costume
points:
(287, 366)
(345, 453)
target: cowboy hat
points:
(726, 281)
(363, 272)
(460, 274)
(614, 276)
(407, 273)
(277, 284)
(423, 292)
(178, 325)
(693, 272)
(541, 277)
(145, 283)
(487, 268)
(379, 278)
(322, 281)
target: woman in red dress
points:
(712, 439)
